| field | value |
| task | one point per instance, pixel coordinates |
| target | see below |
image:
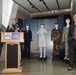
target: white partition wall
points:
(0, 13)
(6, 11)
(13, 12)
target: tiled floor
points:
(37, 67)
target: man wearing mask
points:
(11, 28)
(14, 27)
(72, 44)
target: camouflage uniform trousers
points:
(56, 48)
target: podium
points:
(12, 51)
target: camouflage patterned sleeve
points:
(52, 34)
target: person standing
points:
(56, 36)
(65, 39)
(42, 41)
(14, 27)
(27, 41)
(72, 44)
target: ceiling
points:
(36, 7)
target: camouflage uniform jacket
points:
(56, 35)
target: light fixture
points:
(43, 2)
(32, 6)
(40, 0)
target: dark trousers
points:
(27, 49)
(72, 53)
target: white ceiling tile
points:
(26, 5)
(52, 4)
(64, 4)
(39, 5)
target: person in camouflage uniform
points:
(56, 37)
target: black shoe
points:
(70, 68)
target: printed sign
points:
(8, 36)
(12, 36)
(16, 36)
